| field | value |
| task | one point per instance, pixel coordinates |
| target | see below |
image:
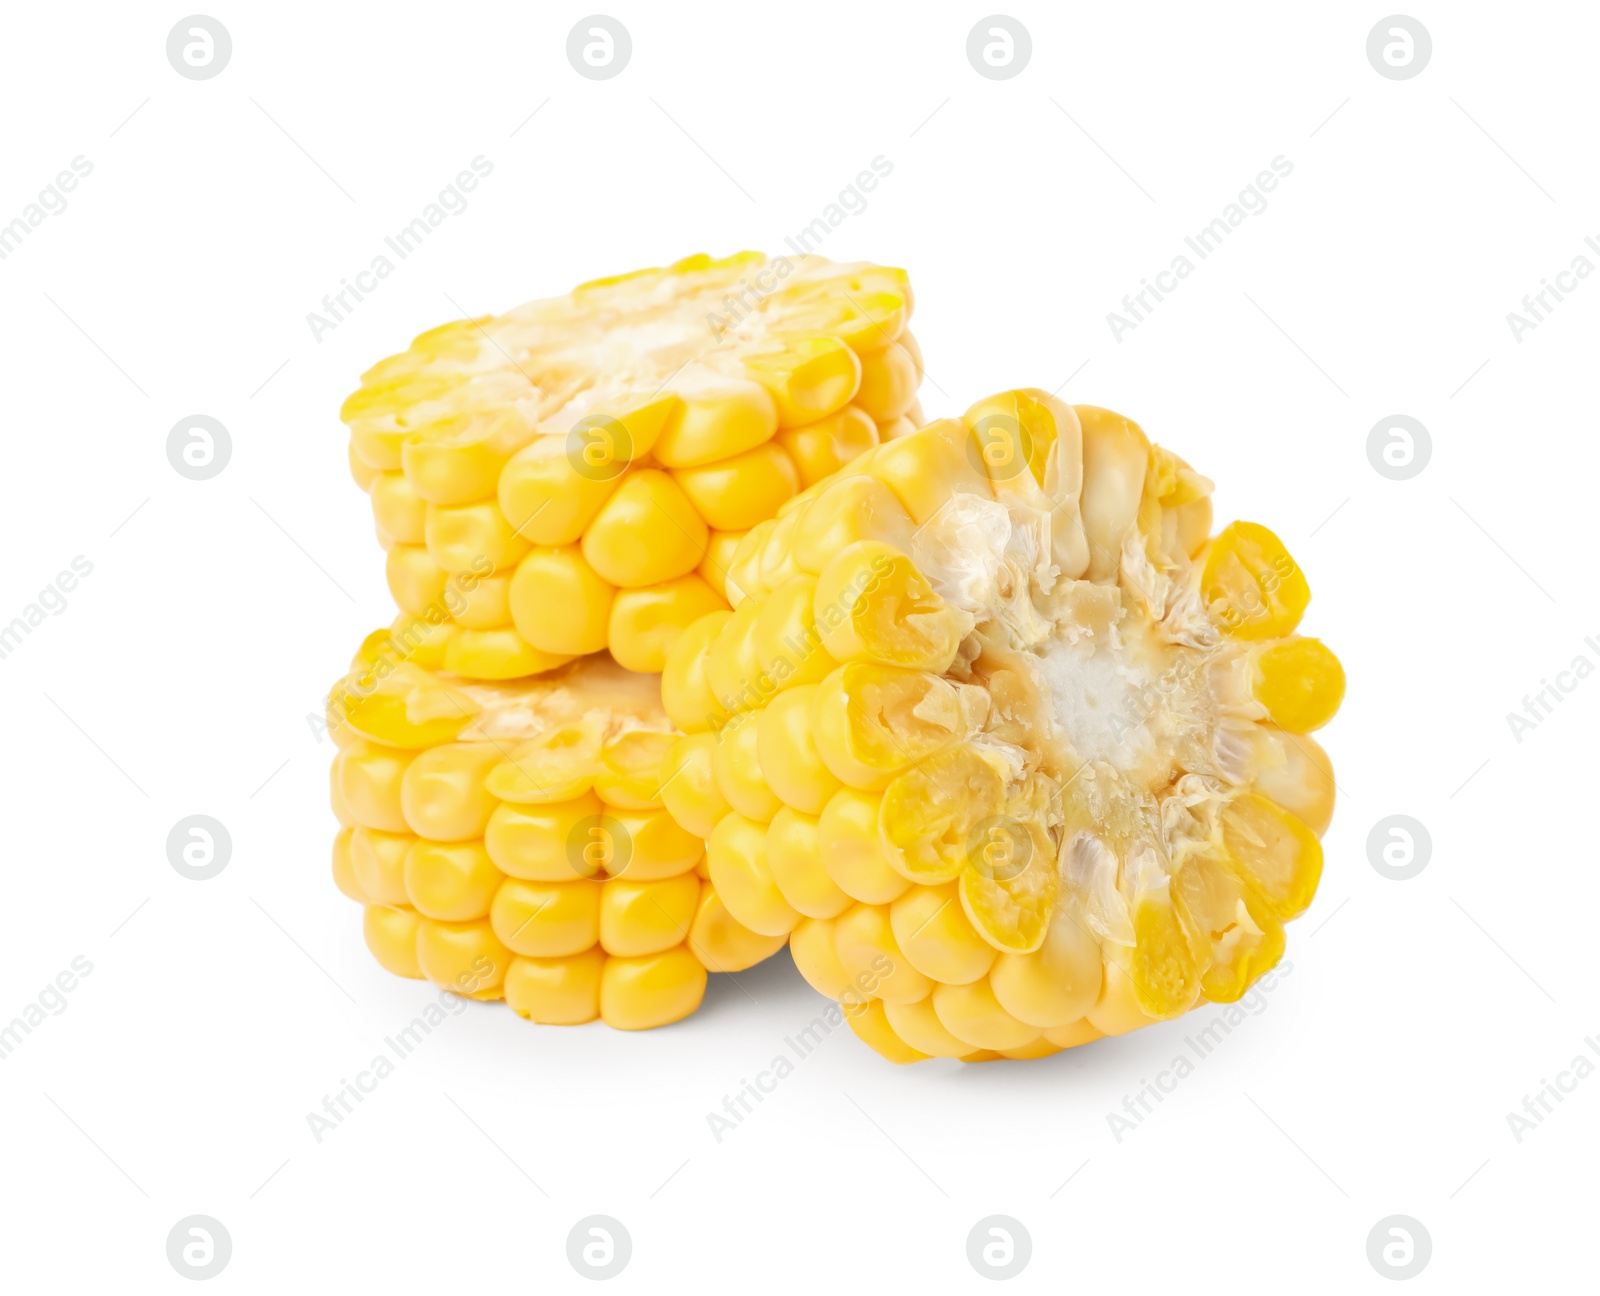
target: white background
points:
(179, 677)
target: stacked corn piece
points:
(574, 476)
(508, 841)
(1006, 742)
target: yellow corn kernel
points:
(787, 640)
(1057, 983)
(344, 876)
(811, 945)
(926, 468)
(546, 843)
(547, 919)
(744, 569)
(443, 793)
(872, 1028)
(336, 802)
(400, 513)
(1117, 1011)
(808, 377)
(391, 935)
(500, 654)
(737, 767)
(720, 549)
(778, 561)
(378, 861)
(647, 917)
(721, 942)
(734, 494)
(544, 496)
(416, 581)
(896, 428)
(1252, 588)
(864, 939)
(558, 766)
(685, 691)
(689, 785)
(1298, 776)
(1237, 936)
(652, 990)
(363, 472)
(486, 605)
(1009, 891)
(1300, 683)
(466, 537)
(1074, 1034)
(721, 416)
(1166, 979)
(795, 860)
(1116, 454)
(646, 623)
(889, 378)
(846, 510)
(920, 1028)
(820, 449)
(399, 705)
(559, 991)
(932, 929)
(736, 854)
(648, 845)
(733, 670)
(458, 460)
(559, 603)
(872, 722)
(455, 881)
(1273, 851)
(972, 1013)
(872, 604)
(421, 641)
(646, 533)
(369, 778)
(466, 958)
(851, 850)
(939, 812)
(629, 776)
(790, 764)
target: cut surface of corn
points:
(507, 840)
(571, 477)
(1007, 741)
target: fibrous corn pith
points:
(573, 476)
(1008, 744)
(508, 838)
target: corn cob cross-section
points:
(509, 837)
(1008, 744)
(590, 461)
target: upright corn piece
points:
(1008, 744)
(573, 476)
(508, 841)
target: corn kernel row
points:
(574, 476)
(1012, 750)
(513, 834)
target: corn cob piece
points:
(1008, 744)
(573, 476)
(509, 838)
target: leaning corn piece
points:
(508, 841)
(1006, 742)
(573, 476)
